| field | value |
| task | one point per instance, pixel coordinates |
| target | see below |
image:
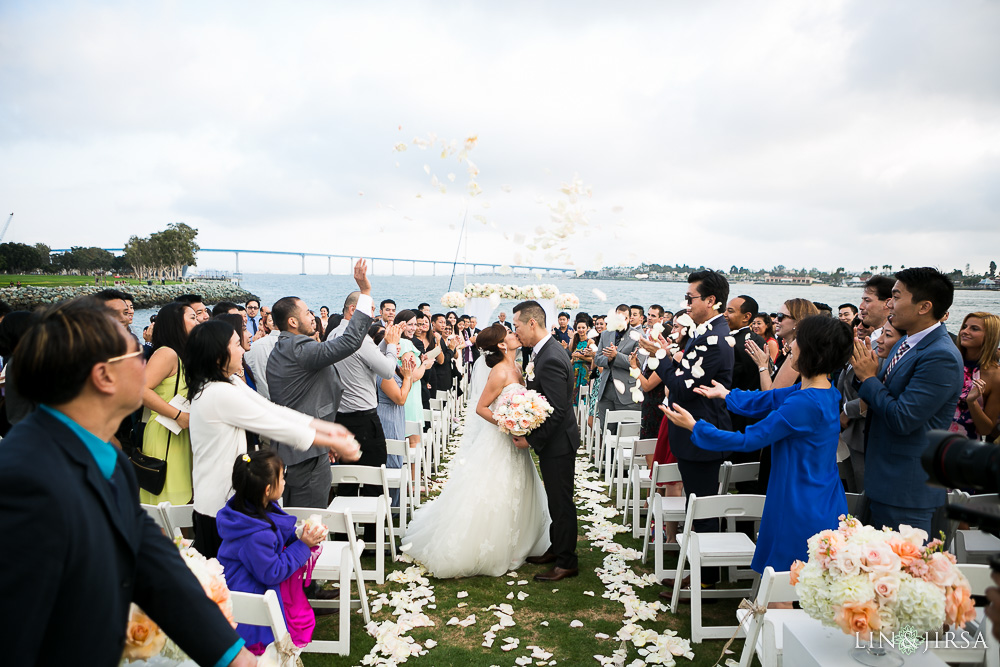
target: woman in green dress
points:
(164, 380)
(413, 407)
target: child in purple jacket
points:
(260, 550)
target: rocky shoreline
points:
(146, 296)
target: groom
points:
(549, 373)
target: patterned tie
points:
(896, 357)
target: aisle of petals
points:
(394, 646)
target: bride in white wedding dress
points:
(492, 512)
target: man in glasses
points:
(707, 356)
(71, 507)
(613, 351)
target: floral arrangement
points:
(453, 300)
(864, 580)
(144, 639)
(522, 412)
(509, 292)
(548, 291)
(481, 290)
(567, 301)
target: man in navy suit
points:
(707, 356)
(915, 391)
(78, 548)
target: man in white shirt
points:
(873, 309)
(257, 357)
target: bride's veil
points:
(477, 382)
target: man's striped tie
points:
(899, 353)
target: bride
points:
(492, 512)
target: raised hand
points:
(678, 416)
(759, 356)
(976, 390)
(864, 360)
(361, 277)
(313, 534)
(393, 332)
(715, 391)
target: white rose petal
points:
(653, 363)
(634, 335)
(688, 383)
(620, 386)
(731, 341)
(462, 594)
(601, 296)
(575, 624)
(634, 372)
(661, 353)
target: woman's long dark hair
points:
(206, 355)
(169, 330)
(252, 473)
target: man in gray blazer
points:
(613, 350)
(301, 375)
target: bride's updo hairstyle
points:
(489, 340)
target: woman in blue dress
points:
(801, 424)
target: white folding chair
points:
(156, 515)
(628, 434)
(593, 440)
(661, 509)
(439, 423)
(764, 633)
(399, 478)
(723, 549)
(742, 472)
(448, 408)
(582, 407)
(609, 441)
(368, 509)
(177, 517)
(415, 457)
(963, 647)
(263, 610)
(637, 480)
(339, 561)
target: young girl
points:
(260, 550)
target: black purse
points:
(151, 472)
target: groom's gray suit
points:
(556, 442)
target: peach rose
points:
(941, 571)
(958, 606)
(858, 618)
(796, 569)
(907, 551)
(143, 637)
(879, 559)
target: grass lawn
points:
(542, 619)
(45, 280)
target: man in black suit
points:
(550, 373)
(707, 356)
(739, 314)
(78, 547)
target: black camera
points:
(956, 462)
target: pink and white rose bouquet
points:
(521, 412)
(567, 301)
(864, 580)
(453, 300)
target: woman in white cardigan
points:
(221, 413)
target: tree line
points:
(162, 254)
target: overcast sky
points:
(755, 133)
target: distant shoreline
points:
(146, 296)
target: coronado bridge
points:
(405, 263)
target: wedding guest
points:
(502, 319)
(562, 333)
(452, 327)
(915, 391)
(245, 374)
(13, 326)
(448, 342)
(429, 345)
(319, 335)
(614, 347)
(358, 410)
(260, 350)
(846, 312)
(261, 551)
(220, 411)
(979, 404)
(667, 319)
(789, 314)
(114, 300)
(653, 315)
(800, 424)
(70, 504)
(253, 315)
(582, 357)
(393, 395)
(874, 303)
(324, 317)
(425, 308)
(600, 322)
(164, 383)
(763, 327)
(225, 308)
(198, 304)
(301, 375)
(387, 312)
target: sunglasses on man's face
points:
(690, 299)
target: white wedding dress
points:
(492, 512)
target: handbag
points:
(151, 472)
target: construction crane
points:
(3, 232)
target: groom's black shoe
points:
(557, 574)
(544, 559)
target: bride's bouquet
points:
(520, 413)
(864, 580)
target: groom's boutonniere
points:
(530, 371)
